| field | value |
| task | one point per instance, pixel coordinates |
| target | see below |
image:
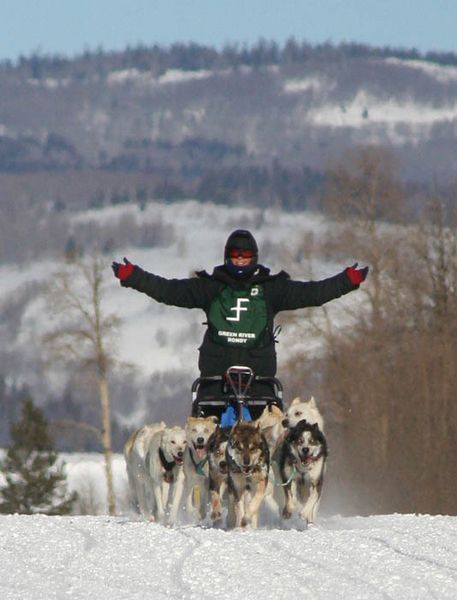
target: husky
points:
(198, 432)
(299, 410)
(164, 462)
(248, 463)
(218, 472)
(271, 424)
(302, 462)
(135, 451)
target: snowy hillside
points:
(405, 557)
(153, 337)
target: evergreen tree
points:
(35, 481)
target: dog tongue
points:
(201, 453)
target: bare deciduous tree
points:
(386, 378)
(83, 333)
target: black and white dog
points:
(302, 462)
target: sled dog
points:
(248, 462)
(217, 463)
(299, 410)
(164, 462)
(271, 426)
(198, 432)
(135, 451)
(271, 423)
(302, 461)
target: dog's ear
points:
(312, 402)
(290, 435)
(215, 420)
(302, 425)
(316, 431)
(276, 410)
(296, 400)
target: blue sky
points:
(70, 26)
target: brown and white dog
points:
(248, 463)
(302, 461)
(218, 472)
(271, 423)
(198, 432)
(164, 461)
(135, 451)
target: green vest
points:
(238, 318)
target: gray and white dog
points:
(135, 451)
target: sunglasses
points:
(236, 253)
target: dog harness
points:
(199, 466)
(168, 467)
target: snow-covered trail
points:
(392, 556)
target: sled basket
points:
(238, 386)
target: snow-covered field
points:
(86, 476)
(404, 557)
(407, 557)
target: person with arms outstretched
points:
(240, 299)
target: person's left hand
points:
(356, 275)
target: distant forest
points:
(235, 137)
(191, 56)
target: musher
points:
(240, 298)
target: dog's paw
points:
(286, 514)
(245, 522)
(216, 516)
(306, 517)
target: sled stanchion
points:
(240, 379)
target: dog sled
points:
(238, 388)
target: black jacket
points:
(280, 292)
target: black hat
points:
(241, 239)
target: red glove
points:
(123, 271)
(356, 275)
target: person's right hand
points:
(123, 271)
(356, 275)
